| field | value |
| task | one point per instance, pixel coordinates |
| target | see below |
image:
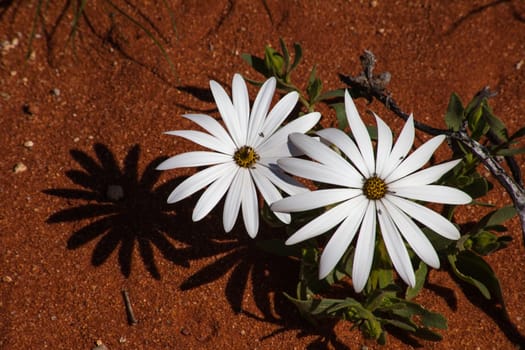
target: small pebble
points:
(520, 64)
(29, 144)
(76, 139)
(185, 331)
(30, 109)
(19, 168)
(7, 279)
(55, 92)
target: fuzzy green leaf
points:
(256, 63)
(454, 116)
(472, 269)
(421, 276)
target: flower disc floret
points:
(374, 188)
(246, 157)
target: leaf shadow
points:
(124, 210)
(52, 20)
(252, 269)
(492, 309)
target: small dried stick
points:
(129, 310)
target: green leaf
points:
(274, 61)
(478, 186)
(495, 124)
(486, 242)
(477, 124)
(256, 63)
(421, 276)
(494, 219)
(454, 116)
(286, 54)
(427, 334)
(340, 114)
(331, 94)
(314, 87)
(501, 215)
(472, 269)
(298, 55)
(510, 152)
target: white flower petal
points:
(395, 246)
(404, 143)
(199, 180)
(425, 176)
(212, 195)
(204, 139)
(213, 127)
(324, 222)
(341, 239)
(360, 132)
(250, 205)
(260, 109)
(228, 112)
(269, 192)
(232, 203)
(426, 216)
(277, 145)
(241, 103)
(413, 235)
(317, 172)
(276, 117)
(191, 159)
(315, 199)
(433, 193)
(342, 141)
(325, 155)
(416, 160)
(283, 181)
(364, 251)
(384, 145)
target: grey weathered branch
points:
(370, 86)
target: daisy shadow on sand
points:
(123, 211)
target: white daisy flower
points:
(243, 157)
(368, 191)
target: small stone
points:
(76, 139)
(32, 55)
(520, 64)
(13, 73)
(122, 340)
(185, 331)
(29, 144)
(374, 3)
(30, 109)
(19, 168)
(243, 332)
(55, 92)
(115, 193)
(7, 279)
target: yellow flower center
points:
(245, 157)
(374, 188)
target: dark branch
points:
(371, 86)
